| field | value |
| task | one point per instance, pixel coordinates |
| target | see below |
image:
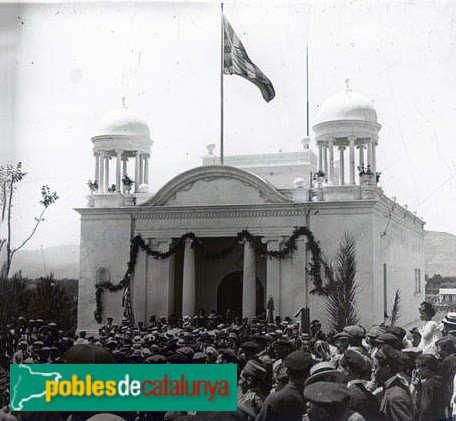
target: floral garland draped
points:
(137, 244)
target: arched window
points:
(103, 275)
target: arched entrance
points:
(229, 294)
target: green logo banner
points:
(123, 387)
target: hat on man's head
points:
(341, 336)
(250, 346)
(450, 319)
(387, 338)
(396, 331)
(326, 393)
(391, 355)
(325, 371)
(355, 361)
(298, 361)
(255, 369)
(355, 331)
(375, 332)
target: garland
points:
(138, 244)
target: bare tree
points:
(10, 176)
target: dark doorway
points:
(229, 294)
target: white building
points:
(268, 195)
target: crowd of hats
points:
(324, 363)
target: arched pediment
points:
(216, 185)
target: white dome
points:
(123, 122)
(347, 105)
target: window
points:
(417, 281)
(103, 275)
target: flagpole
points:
(307, 87)
(222, 65)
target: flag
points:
(237, 62)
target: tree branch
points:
(38, 220)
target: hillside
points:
(440, 251)
(62, 261)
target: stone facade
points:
(269, 196)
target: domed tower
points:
(347, 121)
(123, 136)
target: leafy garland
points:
(138, 244)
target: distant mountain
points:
(62, 261)
(440, 251)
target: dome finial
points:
(124, 105)
(347, 85)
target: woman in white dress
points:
(429, 330)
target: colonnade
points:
(102, 169)
(155, 288)
(326, 155)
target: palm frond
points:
(396, 311)
(341, 287)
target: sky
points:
(64, 65)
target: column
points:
(249, 282)
(97, 166)
(188, 281)
(374, 160)
(352, 160)
(160, 285)
(320, 157)
(273, 277)
(106, 180)
(299, 271)
(137, 169)
(101, 174)
(369, 154)
(325, 159)
(146, 169)
(361, 156)
(124, 171)
(118, 172)
(342, 165)
(139, 287)
(331, 161)
(141, 169)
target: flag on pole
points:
(237, 62)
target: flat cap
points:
(250, 346)
(255, 369)
(396, 331)
(387, 338)
(327, 393)
(354, 359)
(355, 331)
(299, 361)
(375, 332)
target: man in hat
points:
(446, 353)
(356, 335)
(396, 404)
(430, 399)
(288, 404)
(325, 371)
(341, 343)
(282, 347)
(361, 399)
(449, 323)
(251, 378)
(328, 402)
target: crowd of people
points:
(383, 373)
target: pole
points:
(222, 66)
(307, 87)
